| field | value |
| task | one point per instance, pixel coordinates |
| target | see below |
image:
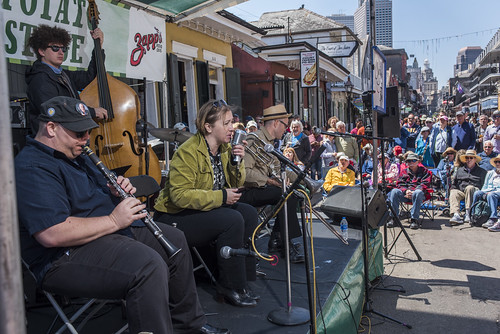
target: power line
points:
(448, 37)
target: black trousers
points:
(271, 195)
(160, 292)
(225, 226)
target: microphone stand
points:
(290, 316)
(368, 307)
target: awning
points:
(180, 10)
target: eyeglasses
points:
(497, 162)
(286, 125)
(56, 48)
(496, 116)
(410, 161)
(219, 103)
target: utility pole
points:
(11, 288)
(373, 41)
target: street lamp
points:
(348, 85)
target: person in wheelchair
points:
(412, 186)
(491, 193)
(466, 180)
(340, 175)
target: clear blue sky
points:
(418, 26)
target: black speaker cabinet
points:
(388, 124)
(345, 201)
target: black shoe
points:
(234, 297)
(296, 253)
(274, 244)
(414, 224)
(209, 329)
(250, 294)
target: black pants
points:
(225, 226)
(271, 195)
(160, 292)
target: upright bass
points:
(116, 141)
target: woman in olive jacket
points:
(201, 197)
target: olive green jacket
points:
(191, 177)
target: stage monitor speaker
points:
(388, 123)
(345, 201)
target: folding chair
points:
(80, 317)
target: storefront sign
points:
(338, 49)
(308, 69)
(134, 41)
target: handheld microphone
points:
(270, 149)
(238, 137)
(226, 252)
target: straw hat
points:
(275, 112)
(470, 153)
(449, 150)
(492, 160)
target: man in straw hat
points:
(77, 241)
(262, 184)
(412, 186)
(465, 182)
(491, 192)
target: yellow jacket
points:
(190, 179)
(335, 178)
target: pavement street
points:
(454, 289)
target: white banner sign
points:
(338, 49)
(134, 41)
(308, 69)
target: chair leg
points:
(203, 265)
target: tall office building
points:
(383, 21)
(347, 20)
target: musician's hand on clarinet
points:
(124, 184)
(127, 211)
(233, 195)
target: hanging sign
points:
(338, 49)
(134, 41)
(308, 69)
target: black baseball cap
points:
(71, 113)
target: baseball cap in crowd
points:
(343, 157)
(180, 126)
(496, 114)
(71, 113)
(248, 118)
(412, 156)
(459, 113)
(425, 128)
(251, 123)
(398, 150)
(444, 117)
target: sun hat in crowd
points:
(71, 113)
(492, 160)
(470, 153)
(275, 112)
(443, 117)
(449, 150)
(412, 156)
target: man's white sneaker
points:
(456, 219)
(489, 223)
(495, 228)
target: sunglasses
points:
(497, 162)
(82, 134)
(410, 161)
(56, 48)
(219, 103)
(496, 117)
(469, 158)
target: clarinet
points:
(148, 220)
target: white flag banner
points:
(134, 41)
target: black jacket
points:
(44, 84)
(464, 177)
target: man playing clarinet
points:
(79, 239)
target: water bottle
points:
(344, 228)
